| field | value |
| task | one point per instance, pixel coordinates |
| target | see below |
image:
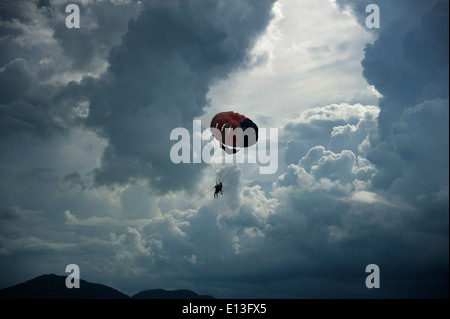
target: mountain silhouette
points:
(174, 294)
(52, 286)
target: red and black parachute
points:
(222, 126)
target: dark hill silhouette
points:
(174, 294)
(54, 287)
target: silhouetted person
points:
(217, 190)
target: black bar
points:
(230, 308)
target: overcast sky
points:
(363, 146)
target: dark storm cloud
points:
(15, 80)
(158, 80)
(408, 65)
(26, 105)
(9, 213)
(20, 22)
(328, 215)
(101, 26)
(391, 12)
(15, 10)
(34, 52)
(366, 187)
(331, 221)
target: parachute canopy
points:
(233, 130)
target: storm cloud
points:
(86, 177)
(158, 79)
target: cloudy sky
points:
(362, 155)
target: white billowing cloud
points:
(365, 197)
(335, 166)
(32, 33)
(248, 224)
(333, 113)
(325, 170)
(336, 127)
(98, 221)
(127, 247)
(132, 239)
(192, 259)
(70, 218)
